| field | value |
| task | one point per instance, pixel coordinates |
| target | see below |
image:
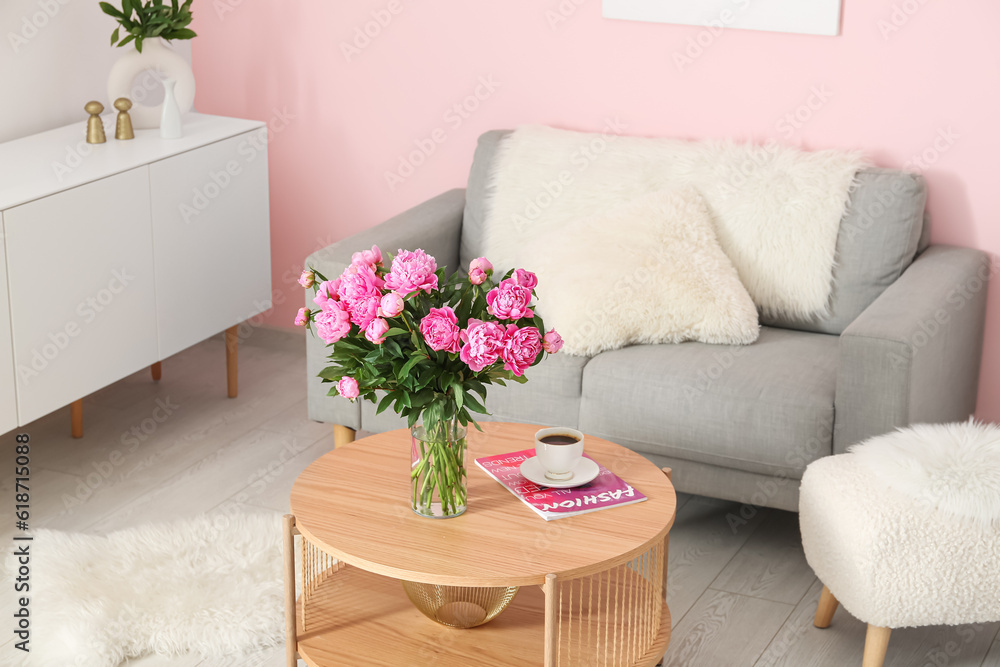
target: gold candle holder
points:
(123, 125)
(95, 127)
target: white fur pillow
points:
(650, 271)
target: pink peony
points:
(375, 332)
(483, 342)
(525, 278)
(302, 317)
(348, 388)
(509, 301)
(360, 289)
(307, 279)
(333, 322)
(391, 305)
(327, 291)
(520, 348)
(552, 342)
(477, 276)
(370, 258)
(412, 271)
(440, 330)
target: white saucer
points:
(585, 471)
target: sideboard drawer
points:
(8, 403)
(211, 234)
(82, 298)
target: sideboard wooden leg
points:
(342, 435)
(232, 348)
(156, 370)
(551, 620)
(76, 418)
(288, 527)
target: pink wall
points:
(891, 92)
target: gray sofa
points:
(901, 345)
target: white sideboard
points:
(121, 254)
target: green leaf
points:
(408, 365)
(395, 331)
(520, 379)
(478, 387)
(127, 7)
(126, 40)
(384, 403)
(110, 10)
(138, 43)
(475, 405)
(114, 37)
(331, 373)
(183, 33)
(412, 419)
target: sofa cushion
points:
(766, 407)
(878, 239)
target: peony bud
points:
(552, 342)
(307, 279)
(477, 276)
(391, 305)
(375, 332)
(348, 388)
(302, 317)
(480, 263)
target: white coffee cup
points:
(559, 458)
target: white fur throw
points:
(211, 585)
(649, 271)
(951, 468)
(777, 210)
(903, 529)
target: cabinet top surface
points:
(354, 503)
(44, 164)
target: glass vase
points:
(437, 470)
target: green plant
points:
(152, 18)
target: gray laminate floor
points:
(741, 593)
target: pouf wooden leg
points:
(156, 370)
(825, 609)
(876, 642)
(342, 435)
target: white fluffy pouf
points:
(905, 528)
(210, 586)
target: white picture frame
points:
(810, 17)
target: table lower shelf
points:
(355, 617)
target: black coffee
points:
(560, 440)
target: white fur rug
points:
(777, 210)
(650, 271)
(953, 468)
(210, 586)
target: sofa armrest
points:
(435, 226)
(913, 355)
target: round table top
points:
(354, 503)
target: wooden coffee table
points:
(592, 587)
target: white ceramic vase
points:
(170, 119)
(156, 62)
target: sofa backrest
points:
(881, 232)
